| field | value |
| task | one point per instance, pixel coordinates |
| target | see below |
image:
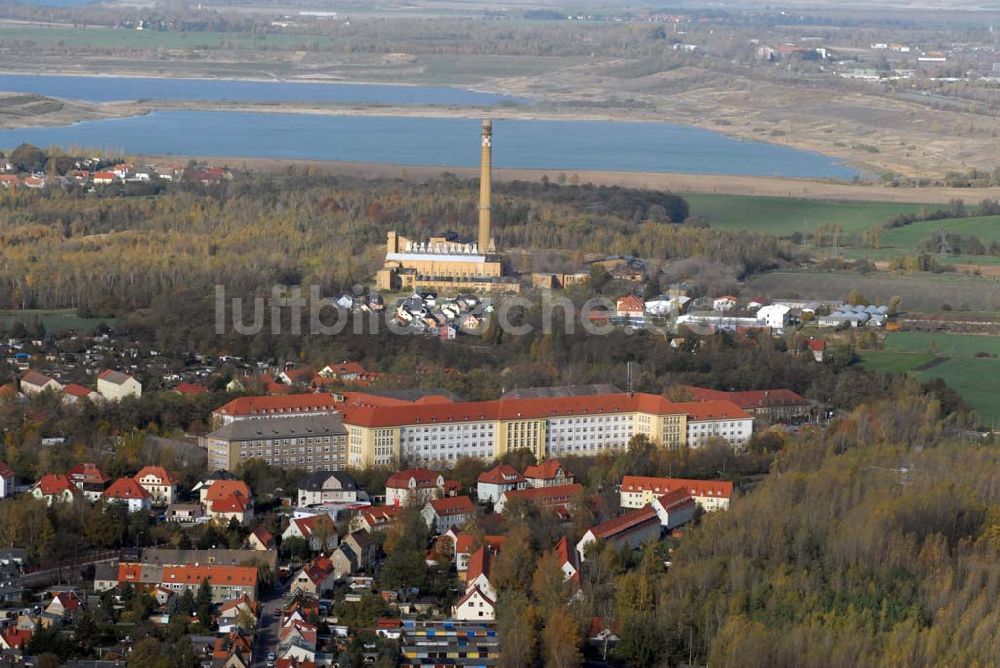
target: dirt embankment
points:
(20, 110)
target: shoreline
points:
(752, 186)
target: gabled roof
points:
(722, 489)
(243, 576)
(78, 391)
(230, 504)
(126, 488)
(748, 399)
(553, 494)
(158, 471)
(452, 505)
(378, 515)
(6, 471)
(315, 481)
(54, 483)
(286, 403)
(424, 478)
(35, 378)
(475, 591)
(87, 472)
(547, 470)
(307, 525)
(15, 638)
(502, 474)
(480, 563)
(675, 499)
(220, 489)
(623, 523)
(264, 536)
(116, 377)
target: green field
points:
(784, 216)
(951, 345)
(57, 320)
(149, 39)
(976, 379)
(880, 360)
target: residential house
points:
(161, 556)
(818, 349)
(674, 509)
(413, 487)
(477, 575)
(73, 393)
(15, 639)
(160, 484)
(184, 513)
(443, 513)
(115, 385)
(189, 389)
(625, 531)
(569, 561)
(375, 518)
(639, 491)
(226, 582)
(33, 382)
(328, 487)
(314, 578)
(64, 605)
(362, 545)
(499, 479)
(775, 316)
(231, 611)
(260, 539)
(344, 561)
(725, 303)
(548, 474)
(6, 480)
(130, 494)
(220, 487)
(631, 308)
(475, 605)
(56, 488)
(318, 530)
(89, 479)
(230, 508)
(543, 497)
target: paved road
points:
(270, 618)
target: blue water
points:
(115, 89)
(447, 142)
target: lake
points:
(445, 142)
(117, 89)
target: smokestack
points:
(485, 186)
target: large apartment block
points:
(440, 433)
(308, 442)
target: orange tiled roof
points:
(748, 399)
(54, 483)
(501, 474)
(453, 505)
(243, 576)
(552, 495)
(158, 471)
(722, 489)
(626, 522)
(220, 489)
(424, 477)
(547, 470)
(286, 403)
(126, 488)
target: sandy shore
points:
(758, 186)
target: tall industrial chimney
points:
(485, 186)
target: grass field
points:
(889, 362)
(785, 216)
(952, 345)
(58, 320)
(976, 379)
(149, 39)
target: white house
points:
(328, 487)
(774, 316)
(452, 510)
(499, 479)
(33, 383)
(474, 606)
(413, 487)
(318, 530)
(156, 480)
(128, 492)
(115, 385)
(726, 303)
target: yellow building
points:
(442, 433)
(446, 263)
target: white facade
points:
(735, 431)
(427, 443)
(588, 434)
(474, 606)
(113, 391)
(774, 316)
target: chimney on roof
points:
(485, 187)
